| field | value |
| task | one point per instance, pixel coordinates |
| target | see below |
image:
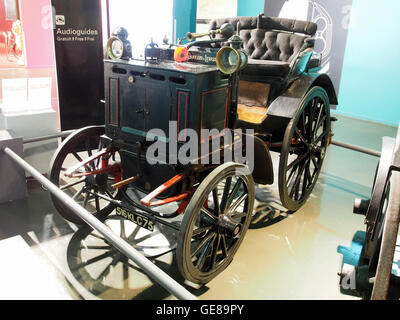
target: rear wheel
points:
(215, 222)
(90, 191)
(303, 149)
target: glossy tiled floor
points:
(284, 256)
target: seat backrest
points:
(269, 38)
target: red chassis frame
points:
(115, 169)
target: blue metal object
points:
(352, 254)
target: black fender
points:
(263, 172)
(260, 161)
(286, 105)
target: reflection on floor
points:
(284, 255)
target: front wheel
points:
(215, 222)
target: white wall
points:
(143, 20)
(211, 9)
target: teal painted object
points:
(369, 87)
(351, 255)
(184, 17)
(250, 7)
(144, 134)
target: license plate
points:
(135, 218)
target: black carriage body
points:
(141, 97)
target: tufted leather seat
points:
(271, 43)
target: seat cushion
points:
(266, 68)
(255, 115)
(269, 38)
(263, 44)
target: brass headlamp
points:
(118, 46)
(232, 58)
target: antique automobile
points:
(252, 73)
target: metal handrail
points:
(124, 247)
(356, 148)
(62, 134)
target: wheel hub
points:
(98, 181)
(227, 225)
(314, 149)
(90, 181)
(101, 181)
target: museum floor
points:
(283, 256)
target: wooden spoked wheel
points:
(90, 191)
(304, 147)
(215, 222)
